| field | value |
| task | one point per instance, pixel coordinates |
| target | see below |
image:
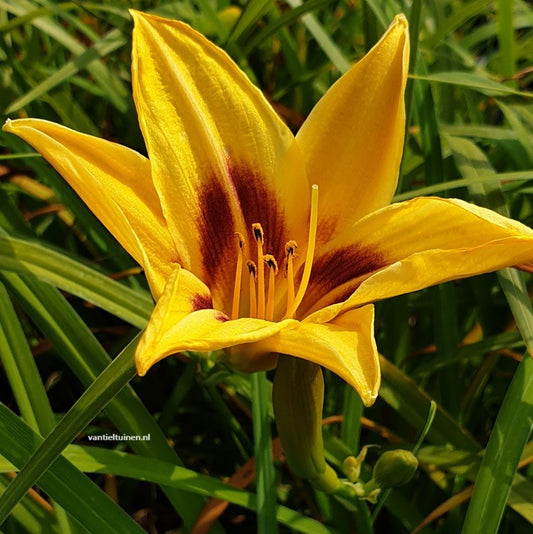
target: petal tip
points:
(141, 365)
(369, 398)
(8, 126)
(401, 19)
(138, 18)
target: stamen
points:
(311, 241)
(259, 237)
(238, 279)
(273, 271)
(253, 300)
(290, 247)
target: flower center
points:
(261, 295)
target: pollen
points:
(262, 297)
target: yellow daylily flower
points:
(260, 242)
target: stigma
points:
(262, 272)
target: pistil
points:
(238, 279)
(309, 256)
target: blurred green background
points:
(71, 298)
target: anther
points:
(290, 248)
(238, 278)
(272, 272)
(259, 237)
(253, 301)
(271, 262)
(251, 269)
(258, 232)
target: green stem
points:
(264, 467)
(351, 422)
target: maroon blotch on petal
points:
(339, 266)
(337, 273)
(222, 317)
(201, 302)
(259, 205)
(217, 230)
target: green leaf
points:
(409, 400)
(461, 14)
(25, 257)
(482, 178)
(112, 41)
(113, 87)
(87, 504)
(99, 460)
(284, 20)
(76, 344)
(329, 48)
(251, 13)
(515, 419)
(28, 515)
(25, 381)
(104, 388)
(478, 82)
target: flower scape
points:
(257, 242)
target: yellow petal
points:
(156, 271)
(184, 320)
(106, 175)
(220, 155)
(352, 140)
(419, 243)
(345, 346)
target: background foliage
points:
(71, 299)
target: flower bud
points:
(352, 465)
(229, 16)
(394, 468)
(351, 468)
(298, 398)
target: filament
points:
(253, 300)
(238, 279)
(259, 236)
(290, 247)
(272, 272)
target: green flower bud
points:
(229, 16)
(352, 465)
(352, 468)
(298, 397)
(394, 468)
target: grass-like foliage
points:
(72, 302)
